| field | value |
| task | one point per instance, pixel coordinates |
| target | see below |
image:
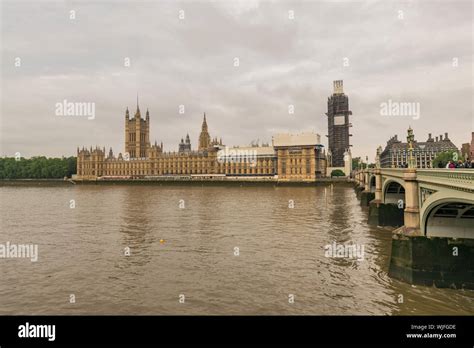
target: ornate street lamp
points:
(377, 157)
(410, 140)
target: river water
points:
(201, 250)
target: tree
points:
(442, 159)
(357, 163)
(37, 168)
(337, 172)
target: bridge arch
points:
(393, 189)
(372, 182)
(448, 216)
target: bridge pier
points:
(412, 210)
(360, 184)
(381, 214)
(439, 261)
(366, 196)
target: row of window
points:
(419, 151)
(188, 164)
(133, 137)
(160, 170)
(295, 166)
(270, 171)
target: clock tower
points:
(338, 125)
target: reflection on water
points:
(280, 252)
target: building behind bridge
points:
(395, 154)
(467, 149)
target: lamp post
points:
(410, 139)
(377, 157)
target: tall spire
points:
(137, 113)
(204, 137)
(204, 123)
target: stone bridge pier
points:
(433, 213)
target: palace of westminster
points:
(290, 157)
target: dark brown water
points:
(281, 252)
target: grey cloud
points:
(190, 62)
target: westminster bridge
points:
(434, 212)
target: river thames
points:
(202, 250)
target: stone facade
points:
(137, 134)
(300, 157)
(395, 154)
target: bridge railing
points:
(461, 178)
(456, 178)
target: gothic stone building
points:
(292, 158)
(395, 154)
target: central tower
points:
(338, 125)
(137, 134)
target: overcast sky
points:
(403, 51)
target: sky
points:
(172, 53)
